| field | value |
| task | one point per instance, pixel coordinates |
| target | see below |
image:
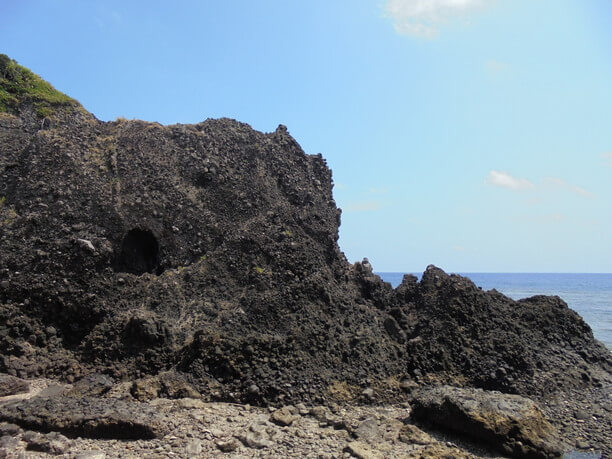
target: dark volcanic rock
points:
(10, 385)
(87, 417)
(131, 249)
(511, 423)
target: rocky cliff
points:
(130, 248)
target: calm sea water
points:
(590, 295)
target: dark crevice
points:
(139, 253)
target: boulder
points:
(511, 423)
(94, 385)
(10, 385)
(87, 417)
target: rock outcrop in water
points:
(210, 250)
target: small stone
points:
(408, 385)
(256, 440)
(319, 413)
(302, 410)
(283, 417)
(87, 245)
(253, 389)
(227, 446)
(368, 393)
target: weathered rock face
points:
(511, 423)
(131, 248)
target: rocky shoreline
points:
(190, 427)
(170, 278)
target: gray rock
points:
(88, 417)
(95, 385)
(227, 446)
(256, 439)
(511, 423)
(367, 430)
(319, 413)
(257, 436)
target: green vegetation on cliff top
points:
(19, 85)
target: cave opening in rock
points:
(139, 253)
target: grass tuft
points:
(19, 85)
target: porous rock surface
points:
(511, 423)
(210, 251)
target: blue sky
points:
(472, 134)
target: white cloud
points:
(505, 180)
(363, 206)
(607, 157)
(423, 18)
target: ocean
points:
(590, 295)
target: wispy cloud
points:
(363, 206)
(383, 190)
(607, 157)
(554, 182)
(505, 180)
(423, 18)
